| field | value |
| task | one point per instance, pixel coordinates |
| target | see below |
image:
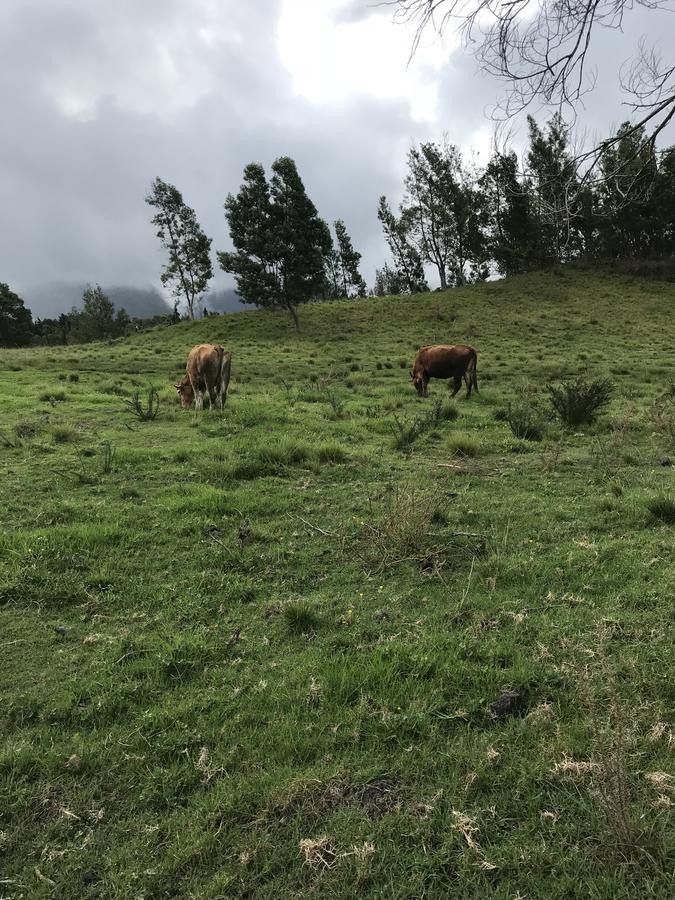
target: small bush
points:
(150, 410)
(663, 508)
(525, 420)
(579, 402)
(300, 616)
(463, 444)
(74, 377)
(406, 434)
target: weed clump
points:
(63, 434)
(463, 444)
(300, 616)
(662, 507)
(579, 402)
(53, 396)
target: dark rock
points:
(666, 461)
(507, 704)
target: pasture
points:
(340, 640)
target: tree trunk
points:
(294, 313)
(442, 276)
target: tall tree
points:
(540, 50)
(407, 258)
(627, 194)
(510, 223)
(188, 271)
(342, 265)
(16, 322)
(97, 320)
(280, 241)
(551, 172)
(389, 282)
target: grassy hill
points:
(269, 654)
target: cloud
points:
(99, 98)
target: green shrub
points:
(525, 419)
(406, 434)
(580, 401)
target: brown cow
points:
(454, 361)
(207, 371)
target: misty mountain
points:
(46, 301)
(224, 301)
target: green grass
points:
(273, 653)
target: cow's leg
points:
(467, 382)
(457, 383)
(425, 386)
(212, 397)
(219, 400)
(199, 400)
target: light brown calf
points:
(207, 371)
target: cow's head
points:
(185, 392)
(418, 381)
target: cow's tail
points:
(225, 365)
(473, 365)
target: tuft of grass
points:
(53, 396)
(331, 453)
(662, 507)
(300, 616)
(463, 444)
(63, 434)
(579, 402)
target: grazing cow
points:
(454, 361)
(207, 371)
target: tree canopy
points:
(188, 270)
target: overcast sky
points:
(99, 97)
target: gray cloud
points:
(100, 98)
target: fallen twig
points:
(316, 528)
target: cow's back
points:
(444, 360)
(204, 363)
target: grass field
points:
(341, 641)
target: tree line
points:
(463, 222)
(467, 223)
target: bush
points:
(406, 435)
(525, 419)
(580, 401)
(663, 508)
(148, 412)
